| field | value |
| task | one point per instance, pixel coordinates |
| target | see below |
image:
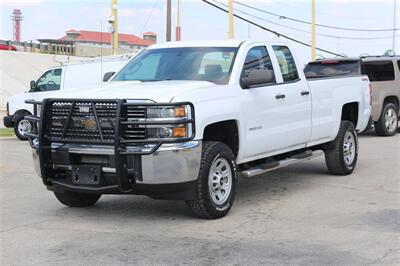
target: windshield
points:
(212, 64)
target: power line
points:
(149, 17)
(269, 30)
(309, 23)
(304, 31)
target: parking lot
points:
(296, 215)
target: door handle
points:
(280, 96)
(303, 93)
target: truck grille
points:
(92, 121)
(82, 121)
(134, 132)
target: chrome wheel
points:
(349, 148)
(220, 181)
(24, 126)
(391, 120)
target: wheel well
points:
(20, 113)
(225, 132)
(350, 112)
(392, 99)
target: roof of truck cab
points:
(209, 43)
(219, 43)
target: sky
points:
(51, 18)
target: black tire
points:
(204, 206)
(336, 161)
(74, 199)
(19, 119)
(380, 128)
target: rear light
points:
(370, 94)
(329, 62)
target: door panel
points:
(277, 115)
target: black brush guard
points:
(41, 140)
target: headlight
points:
(160, 122)
(167, 112)
(167, 132)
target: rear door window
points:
(332, 68)
(382, 70)
(286, 63)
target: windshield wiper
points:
(154, 80)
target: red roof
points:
(150, 33)
(105, 37)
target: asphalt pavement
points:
(299, 215)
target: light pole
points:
(231, 30)
(113, 20)
(313, 33)
(178, 21)
(168, 22)
(394, 26)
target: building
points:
(150, 36)
(94, 43)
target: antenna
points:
(101, 51)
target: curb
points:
(6, 138)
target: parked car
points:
(80, 74)
(184, 120)
(7, 47)
(384, 75)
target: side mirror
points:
(107, 76)
(255, 77)
(33, 85)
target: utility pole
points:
(394, 26)
(231, 30)
(178, 21)
(113, 20)
(313, 33)
(168, 37)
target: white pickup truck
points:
(185, 120)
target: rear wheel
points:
(388, 121)
(341, 157)
(22, 126)
(216, 183)
(74, 199)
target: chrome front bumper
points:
(169, 164)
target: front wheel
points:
(22, 126)
(341, 157)
(216, 183)
(74, 199)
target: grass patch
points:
(7, 132)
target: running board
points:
(268, 167)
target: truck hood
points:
(159, 91)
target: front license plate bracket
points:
(86, 174)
